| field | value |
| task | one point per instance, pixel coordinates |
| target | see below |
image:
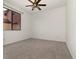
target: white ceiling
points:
(50, 4)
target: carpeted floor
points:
(36, 49)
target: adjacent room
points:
(39, 29)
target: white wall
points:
(49, 24)
(71, 27)
(24, 33)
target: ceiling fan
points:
(35, 4)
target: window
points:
(11, 20)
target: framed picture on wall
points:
(11, 20)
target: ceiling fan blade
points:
(39, 8)
(38, 1)
(41, 4)
(35, 1)
(29, 6)
(30, 1)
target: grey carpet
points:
(36, 49)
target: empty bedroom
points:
(39, 29)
